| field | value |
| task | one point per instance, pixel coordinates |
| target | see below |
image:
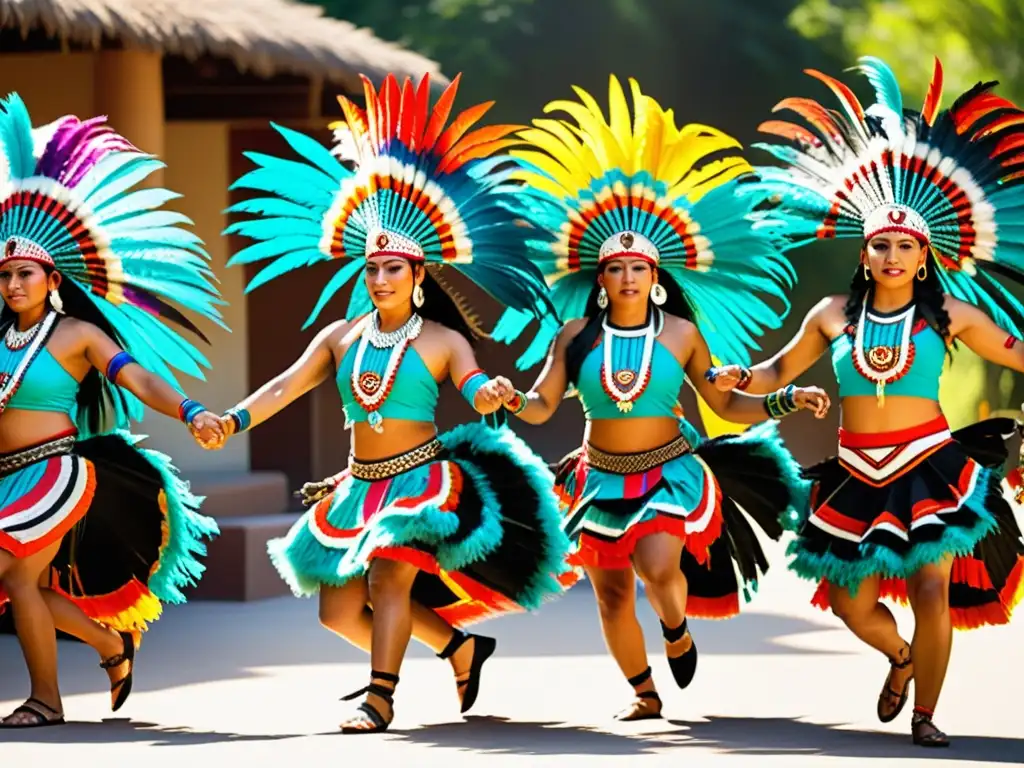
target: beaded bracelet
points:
(781, 402)
(117, 362)
(241, 417)
(518, 405)
(189, 409)
(746, 375)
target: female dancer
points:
(643, 495)
(94, 532)
(433, 532)
(907, 510)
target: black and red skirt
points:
(890, 503)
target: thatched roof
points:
(261, 36)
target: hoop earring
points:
(658, 294)
(56, 302)
(867, 271)
(602, 298)
(417, 296)
(922, 272)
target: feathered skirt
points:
(131, 530)
(472, 509)
(890, 503)
(694, 490)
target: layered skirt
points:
(131, 530)
(890, 503)
(472, 510)
(694, 490)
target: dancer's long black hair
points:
(96, 396)
(929, 298)
(676, 304)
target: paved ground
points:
(258, 684)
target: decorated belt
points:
(634, 463)
(12, 462)
(388, 468)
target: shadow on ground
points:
(205, 642)
(124, 731)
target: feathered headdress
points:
(645, 188)
(65, 203)
(951, 178)
(423, 189)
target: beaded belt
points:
(12, 462)
(388, 468)
(633, 463)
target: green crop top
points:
(412, 396)
(907, 354)
(45, 386)
(655, 397)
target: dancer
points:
(94, 531)
(433, 532)
(907, 510)
(648, 301)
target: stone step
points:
(237, 565)
(242, 494)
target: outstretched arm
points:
(483, 393)
(540, 403)
(306, 373)
(737, 406)
(983, 337)
(803, 351)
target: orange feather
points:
(392, 100)
(407, 115)
(356, 119)
(789, 131)
(931, 102)
(372, 111)
(811, 111)
(422, 111)
(439, 116)
(848, 97)
(464, 151)
(1008, 144)
(462, 123)
(1006, 121)
(975, 109)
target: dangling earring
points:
(602, 298)
(867, 271)
(922, 271)
(417, 296)
(56, 303)
(658, 294)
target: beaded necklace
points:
(371, 386)
(12, 356)
(883, 350)
(626, 370)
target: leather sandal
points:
(683, 667)
(482, 650)
(38, 710)
(380, 724)
(934, 738)
(123, 687)
(628, 715)
(888, 693)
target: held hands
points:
(492, 395)
(210, 430)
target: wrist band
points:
(518, 405)
(117, 362)
(189, 409)
(781, 402)
(746, 376)
(1011, 342)
(471, 384)
(241, 418)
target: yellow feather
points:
(562, 163)
(547, 165)
(618, 112)
(553, 136)
(698, 183)
(682, 158)
(597, 135)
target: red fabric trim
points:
(891, 519)
(849, 439)
(896, 228)
(837, 519)
(411, 555)
(1013, 590)
(22, 549)
(629, 255)
(470, 375)
(374, 499)
(713, 607)
(39, 490)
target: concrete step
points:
(237, 565)
(242, 494)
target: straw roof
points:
(260, 36)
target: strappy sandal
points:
(482, 651)
(625, 715)
(380, 724)
(936, 738)
(33, 707)
(683, 667)
(122, 687)
(888, 693)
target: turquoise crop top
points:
(658, 398)
(911, 373)
(413, 395)
(46, 385)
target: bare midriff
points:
(862, 414)
(399, 436)
(631, 435)
(23, 429)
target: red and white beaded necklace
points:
(370, 388)
(626, 385)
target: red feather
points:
(407, 115)
(391, 96)
(975, 109)
(790, 131)
(1006, 121)
(931, 102)
(439, 116)
(462, 123)
(811, 111)
(1008, 144)
(422, 111)
(848, 97)
(477, 144)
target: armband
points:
(471, 384)
(117, 362)
(781, 402)
(518, 405)
(241, 418)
